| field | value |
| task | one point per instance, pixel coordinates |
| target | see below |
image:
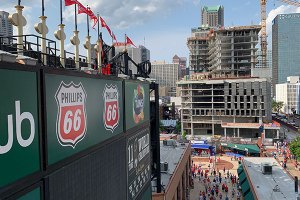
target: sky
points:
(163, 26)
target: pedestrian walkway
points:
(202, 184)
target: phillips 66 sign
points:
(71, 115)
(111, 113)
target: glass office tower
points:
(285, 47)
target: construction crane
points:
(263, 32)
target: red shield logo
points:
(71, 116)
(111, 113)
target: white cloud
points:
(123, 14)
(283, 9)
(167, 46)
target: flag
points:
(108, 30)
(70, 2)
(113, 36)
(128, 41)
(95, 19)
(89, 12)
(103, 24)
(82, 9)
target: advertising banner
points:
(137, 103)
(81, 112)
(139, 163)
(19, 121)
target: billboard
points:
(19, 125)
(138, 161)
(80, 113)
(98, 175)
(137, 103)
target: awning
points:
(245, 187)
(242, 177)
(200, 146)
(250, 148)
(249, 196)
(240, 169)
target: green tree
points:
(178, 127)
(277, 105)
(161, 126)
(295, 147)
(183, 135)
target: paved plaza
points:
(230, 165)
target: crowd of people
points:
(216, 183)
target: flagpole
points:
(61, 17)
(98, 26)
(99, 47)
(43, 8)
(88, 23)
(87, 44)
(125, 41)
(75, 16)
(75, 40)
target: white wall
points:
(282, 95)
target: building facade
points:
(138, 55)
(232, 51)
(166, 75)
(289, 94)
(6, 28)
(175, 171)
(181, 61)
(259, 59)
(212, 16)
(209, 106)
(198, 49)
(285, 47)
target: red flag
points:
(103, 24)
(89, 12)
(108, 30)
(128, 41)
(70, 2)
(95, 19)
(82, 9)
(113, 36)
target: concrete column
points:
(192, 129)
(75, 41)
(233, 132)
(61, 36)
(42, 29)
(87, 46)
(238, 132)
(225, 134)
(17, 19)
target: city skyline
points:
(155, 24)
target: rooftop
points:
(212, 8)
(172, 155)
(264, 184)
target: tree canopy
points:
(277, 105)
(295, 147)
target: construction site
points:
(232, 51)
